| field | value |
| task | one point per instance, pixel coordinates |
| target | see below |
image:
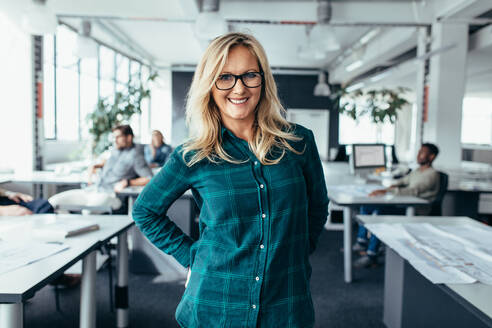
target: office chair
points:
(78, 200)
(394, 159)
(341, 154)
(436, 205)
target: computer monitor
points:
(368, 156)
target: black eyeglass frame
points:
(236, 77)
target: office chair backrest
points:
(436, 205)
(341, 154)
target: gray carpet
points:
(153, 301)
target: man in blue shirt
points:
(125, 167)
(157, 153)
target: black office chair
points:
(394, 159)
(436, 205)
(341, 154)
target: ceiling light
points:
(369, 36)
(323, 35)
(355, 65)
(309, 52)
(380, 76)
(39, 19)
(85, 47)
(209, 23)
(322, 89)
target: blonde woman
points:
(259, 184)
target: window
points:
(106, 73)
(88, 92)
(364, 131)
(476, 124)
(72, 86)
(49, 87)
(67, 86)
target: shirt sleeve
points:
(140, 165)
(422, 185)
(403, 181)
(147, 154)
(316, 191)
(150, 210)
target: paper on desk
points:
(355, 189)
(477, 236)
(15, 254)
(436, 255)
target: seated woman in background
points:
(158, 151)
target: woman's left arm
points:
(316, 191)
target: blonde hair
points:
(271, 130)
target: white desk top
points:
(135, 191)
(478, 294)
(20, 284)
(48, 177)
(346, 199)
(338, 173)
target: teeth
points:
(234, 101)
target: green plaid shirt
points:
(258, 225)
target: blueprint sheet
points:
(442, 253)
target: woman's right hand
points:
(188, 277)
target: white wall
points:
(16, 111)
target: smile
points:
(238, 101)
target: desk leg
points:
(121, 290)
(130, 205)
(410, 211)
(11, 315)
(347, 243)
(88, 292)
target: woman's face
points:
(157, 139)
(237, 105)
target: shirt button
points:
(261, 186)
(253, 306)
(262, 246)
(256, 163)
(257, 278)
(263, 215)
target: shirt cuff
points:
(182, 254)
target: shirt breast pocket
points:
(287, 183)
(123, 169)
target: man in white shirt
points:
(422, 182)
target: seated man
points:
(422, 182)
(125, 167)
(16, 204)
(158, 151)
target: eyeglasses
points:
(249, 79)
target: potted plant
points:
(109, 114)
(382, 105)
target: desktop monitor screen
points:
(368, 155)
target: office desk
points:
(349, 202)
(21, 284)
(464, 198)
(37, 178)
(410, 300)
(48, 177)
(148, 259)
